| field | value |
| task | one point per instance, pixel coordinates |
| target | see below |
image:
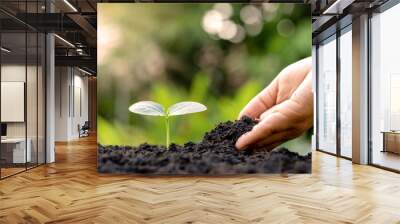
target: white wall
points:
(71, 93)
(15, 73)
(62, 81)
(33, 126)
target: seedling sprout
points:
(151, 108)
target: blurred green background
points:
(219, 54)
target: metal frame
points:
(341, 28)
(44, 74)
(326, 38)
(338, 98)
(381, 9)
(338, 30)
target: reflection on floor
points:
(387, 159)
(10, 169)
(71, 191)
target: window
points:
(385, 89)
(346, 92)
(327, 95)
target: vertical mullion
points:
(317, 96)
(369, 95)
(0, 94)
(45, 87)
(69, 92)
(37, 90)
(26, 86)
(73, 92)
(338, 95)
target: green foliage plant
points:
(151, 108)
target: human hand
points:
(284, 108)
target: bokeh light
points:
(228, 30)
(213, 21)
(285, 27)
(225, 9)
(250, 14)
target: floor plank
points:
(71, 191)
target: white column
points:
(50, 99)
(50, 92)
(314, 89)
(360, 90)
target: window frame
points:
(378, 10)
(340, 28)
(27, 29)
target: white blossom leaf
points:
(147, 108)
(185, 108)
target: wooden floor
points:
(387, 159)
(71, 191)
(5, 172)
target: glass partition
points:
(346, 92)
(385, 89)
(327, 95)
(23, 91)
(14, 153)
(31, 100)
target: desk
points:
(391, 141)
(16, 147)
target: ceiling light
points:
(70, 5)
(64, 40)
(5, 50)
(84, 71)
(337, 7)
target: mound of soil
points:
(215, 154)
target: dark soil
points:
(215, 154)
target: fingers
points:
(256, 134)
(260, 103)
(266, 127)
(282, 105)
(279, 137)
(272, 146)
(272, 95)
(304, 95)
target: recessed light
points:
(84, 71)
(64, 40)
(5, 50)
(70, 5)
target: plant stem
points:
(167, 129)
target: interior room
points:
(22, 100)
(335, 74)
(385, 89)
(48, 104)
(32, 97)
(72, 86)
